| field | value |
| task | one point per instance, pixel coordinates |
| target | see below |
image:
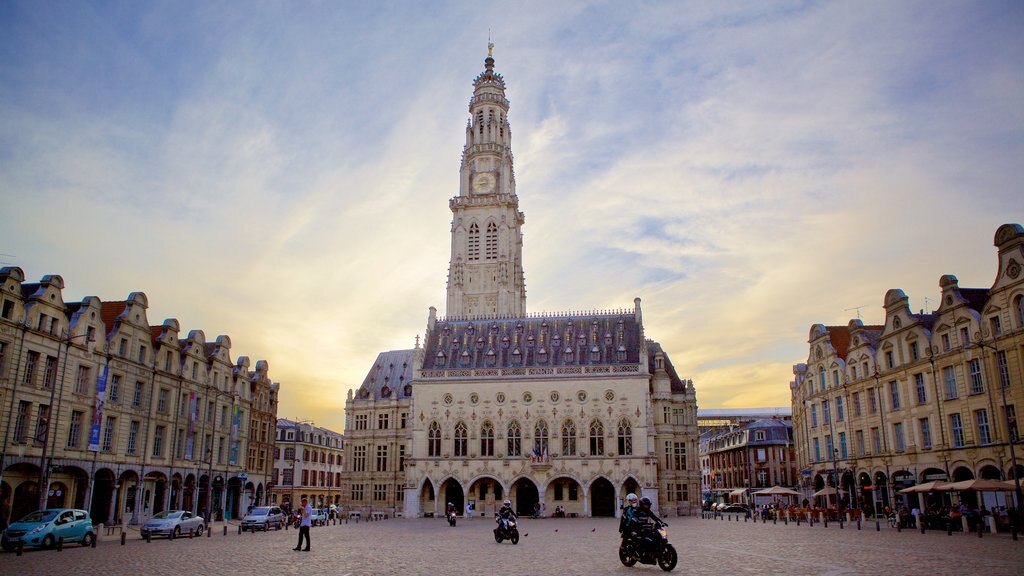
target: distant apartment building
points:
(742, 460)
(123, 418)
(308, 463)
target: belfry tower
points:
(485, 273)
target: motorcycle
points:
(451, 518)
(649, 545)
(506, 530)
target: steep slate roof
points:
(976, 297)
(598, 338)
(678, 387)
(387, 378)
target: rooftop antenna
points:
(857, 308)
(926, 311)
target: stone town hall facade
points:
(571, 409)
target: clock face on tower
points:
(483, 183)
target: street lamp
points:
(46, 458)
(1009, 439)
(835, 477)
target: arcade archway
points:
(526, 496)
(602, 498)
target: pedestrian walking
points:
(304, 524)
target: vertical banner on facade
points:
(236, 424)
(97, 415)
(193, 414)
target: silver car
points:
(263, 518)
(173, 523)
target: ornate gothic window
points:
(568, 438)
(460, 439)
(473, 249)
(515, 439)
(487, 439)
(434, 440)
(540, 438)
(625, 438)
(596, 438)
(491, 242)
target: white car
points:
(173, 524)
(263, 518)
(319, 517)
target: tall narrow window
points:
(926, 433)
(950, 377)
(515, 439)
(922, 394)
(897, 433)
(473, 249)
(977, 384)
(956, 428)
(50, 372)
(434, 440)
(540, 436)
(487, 439)
(491, 241)
(984, 432)
(460, 439)
(596, 438)
(42, 424)
(568, 438)
(894, 394)
(21, 424)
(625, 438)
(1004, 369)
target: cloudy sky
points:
(279, 171)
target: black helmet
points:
(645, 503)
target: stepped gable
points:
(678, 386)
(389, 377)
(543, 340)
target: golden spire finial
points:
(490, 49)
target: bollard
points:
(920, 522)
(21, 547)
(840, 523)
(785, 520)
(172, 535)
(148, 536)
(209, 531)
(858, 523)
(797, 519)
(191, 533)
(949, 527)
(981, 528)
(878, 525)
(60, 544)
(239, 529)
(123, 538)
(225, 529)
(826, 521)
(92, 544)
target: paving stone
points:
(584, 546)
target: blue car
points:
(43, 528)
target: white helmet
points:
(631, 500)
(507, 502)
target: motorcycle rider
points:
(505, 513)
(643, 519)
(628, 514)
(450, 511)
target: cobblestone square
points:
(548, 546)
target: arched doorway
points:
(453, 494)
(486, 494)
(102, 496)
(866, 492)
(427, 500)
(630, 486)
(564, 492)
(259, 495)
(155, 494)
(602, 498)
(526, 496)
(233, 498)
(215, 498)
(249, 497)
(175, 503)
(5, 500)
(127, 495)
(203, 497)
(881, 493)
(188, 499)
(26, 499)
(57, 495)
(989, 472)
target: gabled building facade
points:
(121, 417)
(924, 396)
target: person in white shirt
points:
(307, 521)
